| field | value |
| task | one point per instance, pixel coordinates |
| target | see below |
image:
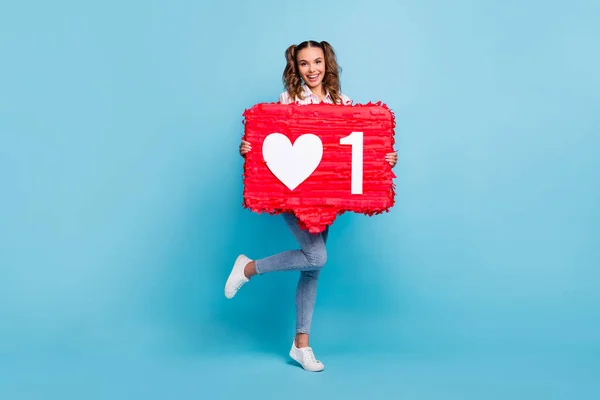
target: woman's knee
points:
(317, 257)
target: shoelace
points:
(239, 285)
(310, 356)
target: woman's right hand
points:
(244, 148)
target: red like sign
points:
(318, 160)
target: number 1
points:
(355, 139)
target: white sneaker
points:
(306, 358)
(236, 278)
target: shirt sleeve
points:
(346, 100)
(284, 98)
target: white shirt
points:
(311, 98)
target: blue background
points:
(120, 207)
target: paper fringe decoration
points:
(326, 193)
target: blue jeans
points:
(308, 260)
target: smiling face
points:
(311, 66)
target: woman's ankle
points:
(250, 270)
(301, 340)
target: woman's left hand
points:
(392, 158)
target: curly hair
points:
(292, 81)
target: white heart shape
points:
(292, 164)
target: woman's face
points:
(311, 65)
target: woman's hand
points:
(244, 148)
(392, 158)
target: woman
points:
(311, 76)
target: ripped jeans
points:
(308, 260)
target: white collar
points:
(308, 92)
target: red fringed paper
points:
(326, 193)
